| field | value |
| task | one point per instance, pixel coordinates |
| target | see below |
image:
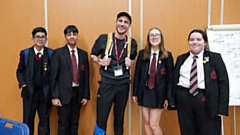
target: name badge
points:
(118, 70)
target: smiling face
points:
(71, 38)
(39, 39)
(154, 38)
(122, 25)
(196, 43)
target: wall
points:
(92, 17)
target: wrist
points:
(96, 60)
(24, 85)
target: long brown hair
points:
(147, 49)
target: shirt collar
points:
(70, 49)
(200, 55)
(157, 52)
(36, 51)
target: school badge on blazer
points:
(163, 71)
(213, 75)
(83, 67)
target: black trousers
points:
(42, 107)
(69, 115)
(193, 115)
(107, 95)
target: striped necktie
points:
(194, 78)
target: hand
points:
(56, 102)
(128, 62)
(84, 101)
(165, 105)
(219, 115)
(105, 61)
(135, 99)
(24, 85)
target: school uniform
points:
(66, 90)
(33, 70)
(197, 113)
(152, 98)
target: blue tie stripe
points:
(193, 78)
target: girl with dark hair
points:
(200, 90)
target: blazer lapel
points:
(80, 65)
(206, 68)
(179, 63)
(159, 65)
(31, 58)
(68, 58)
(146, 68)
(185, 56)
(45, 61)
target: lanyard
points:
(116, 49)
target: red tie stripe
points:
(193, 85)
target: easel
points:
(221, 23)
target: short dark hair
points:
(204, 36)
(125, 14)
(70, 28)
(39, 29)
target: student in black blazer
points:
(153, 99)
(33, 78)
(200, 109)
(69, 82)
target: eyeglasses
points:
(40, 38)
(154, 35)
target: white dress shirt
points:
(36, 51)
(185, 69)
(76, 54)
(151, 57)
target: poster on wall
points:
(225, 39)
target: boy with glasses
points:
(33, 78)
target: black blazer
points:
(61, 75)
(216, 82)
(164, 71)
(25, 74)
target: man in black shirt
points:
(116, 58)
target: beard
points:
(121, 33)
